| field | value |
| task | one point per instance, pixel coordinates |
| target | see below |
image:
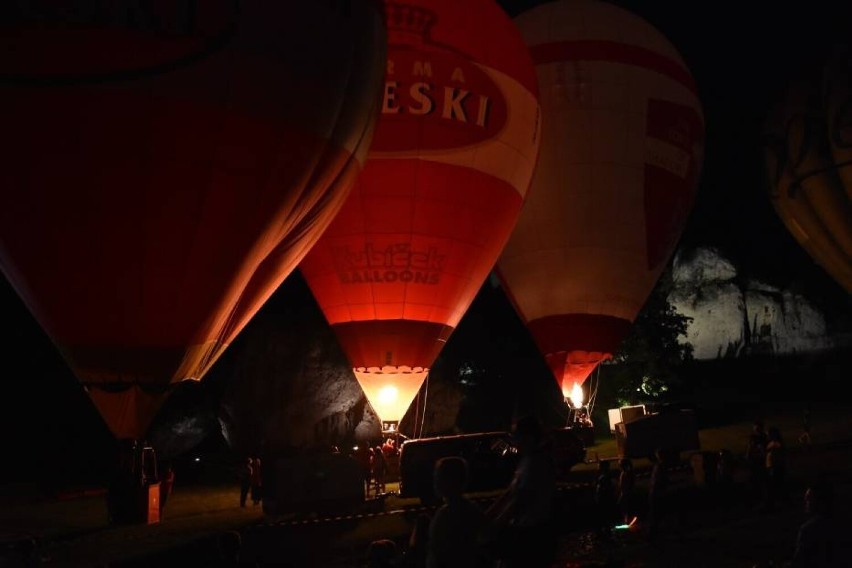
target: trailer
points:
(672, 431)
(491, 459)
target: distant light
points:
(355, 448)
(388, 394)
(198, 459)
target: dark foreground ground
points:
(708, 526)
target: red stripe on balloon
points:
(392, 342)
(612, 52)
(573, 344)
(579, 332)
(573, 367)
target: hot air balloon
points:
(167, 165)
(451, 161)
(622, 139)
(808, 154)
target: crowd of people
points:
(767, 457)
(518, 529)
(376, 465)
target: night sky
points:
(741, 56)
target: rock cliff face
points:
(735, 316)
(292, 388)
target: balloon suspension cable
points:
(583, 414)
(425, 400)
(416, 416)
(594, 383)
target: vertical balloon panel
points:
(837, 101)
(622, 139)
(172, 163)
(808, 159)
(448, 170)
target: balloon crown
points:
(408, 20)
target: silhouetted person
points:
(228, 545)
(725, 475)
(389, 448)
(256, 482)
(817, 539)
(805, 436)
(756, 458)
(380, 469)
(362, 456)
(725, 468)
(525, 510)
(627, 490)
(776, 468)
(166, 487)
(455, 530)
(418, 543)
(605, 499)
(657, 494)
(244, 475)
(123, 486)
(381, 554)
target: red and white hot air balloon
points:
(167, 165)
(621, 150)
(451, 161)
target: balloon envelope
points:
(170, 164)
(622, 139)
(450, 163)
(808, 151)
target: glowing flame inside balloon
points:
(576, 396)
(388, 394)
(390, 390)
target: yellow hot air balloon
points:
(808, 153)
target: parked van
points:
(491, 458)
(671, 430)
